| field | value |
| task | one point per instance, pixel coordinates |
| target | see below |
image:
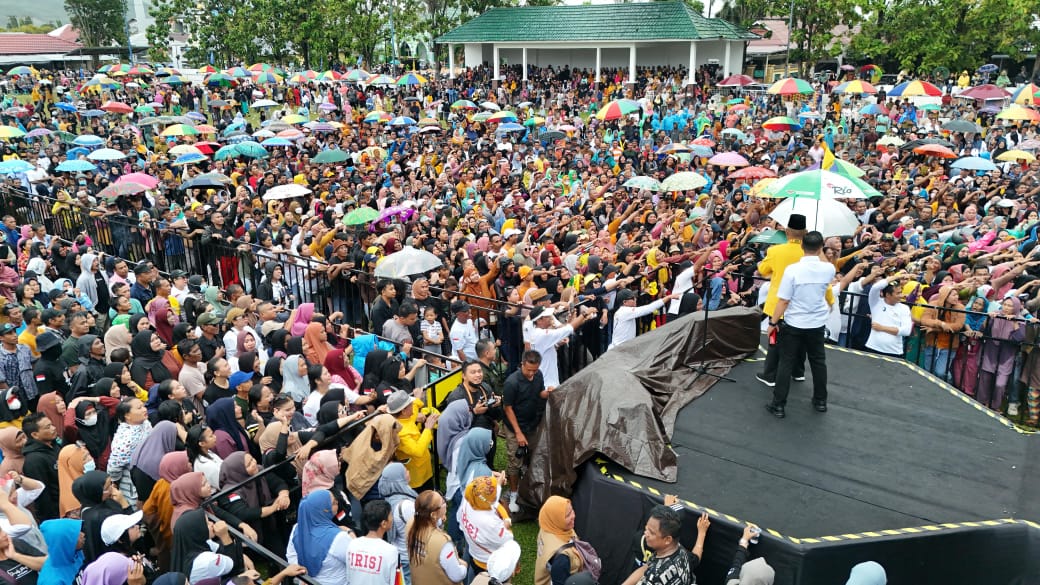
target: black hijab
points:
(89, 489)
(274, 369)
(190, 536)
(294, 346)
(276, 341)
(147, 360)
(328, 412)
(373, 364)
(97, 437)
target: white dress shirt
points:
(804, 286)
(882, 313)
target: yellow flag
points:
(828, 157)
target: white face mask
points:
(90, 420)
(440, 523)
(89, 465)
(14, 404)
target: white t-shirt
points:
(882, 313)
(311, 405)
(464, 337)
(371, 561)
(544, 342)
(334, 567)
(485, 531)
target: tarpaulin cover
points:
(624, 404)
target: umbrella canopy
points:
(464, 105)
(683, 181)
(935, 150)
(510, 127)
(642, 182)
(490, 106)
(267, 77)
(106, 154)
(753, 173)
(287, 191)
(736, 81)
(617, 109)
(239, 72)
(22, 70)
(827, 216)
(226, 152)
(1031, 144)
(37, 132)
(10, 167)
(790, 86)
(295, 119)
(819, 184)
(361, 216)
(402, 121)
(1020, 113)
(961, 125)
(890, 140)
(11, 132)
(180, 130)
(376, 152)
(381, 80)
(330, 157)
(931, 108)
(276, 141)
(411, 78)
(846, 168)
(672, 148)
(116, 107)
(1027, 95)
(88, 140)
(75, 166)
(251, 149)
(206, 181)
(503, 116)
(357, 75)
(377, 116)
(407, 261)
(769, 236)
(264, 103)
(139, 178)
(728, 159)
(873, 110)
(915, 87)
(189, 158)
(987, 91)
(218, 79)
(122, 188)
(782, 124)
(1016, 155)
(855, 86)
(185, 149)
(974, 163)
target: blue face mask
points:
(89, 466)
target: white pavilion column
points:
(693, 64)
(599, 58)
(632, 65)
(451, 61)
(494, 57)
(725, 66)
(525, 64)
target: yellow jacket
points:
(414, 451)
(777, 259)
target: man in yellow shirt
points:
(33, 323)
(414, 449)
(777, 259)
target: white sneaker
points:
(513, 506)
(1013, 409)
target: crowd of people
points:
(160, 347)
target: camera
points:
(523, 452)
(491, 401)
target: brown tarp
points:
(624, 404)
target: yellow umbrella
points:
(295, 119)
(1015, 155)
(756, 190)
(1020, 113)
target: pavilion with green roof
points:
(626, 35)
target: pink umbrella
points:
(728, 159)
(737, 80)
(402, 212)
(985, 92)
(140, 178)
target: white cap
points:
(114, 526)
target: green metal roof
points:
(637, 21)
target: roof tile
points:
(34, 44)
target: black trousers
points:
(792, 343)
(773, 358)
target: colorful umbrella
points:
(377, 116)
(357, 75)
(185, 149)
(737, 80)
(241, 72)
(1016, 155)
(683, 181)
(22, 71)
(168, 71)
(141, 69)
(819, 184)
(855, 86)
(986, 91)
(295, 119)
(728, 159)
(175, 80)
(423, 122)
(915, 87)
(463, 105)
(790, 86)
(1027, 95)
(260, 67)
(11, 132)
(782, 124)
(207, 69)
(616, 109)
(221, 79)
(299, 79)
(330, 75)
(402, 121)
(411, 79)
(503, 116)
(846, 168)
(873, 110)
(381, 80)
(827, 216)
(180, 130)
(267, 77)
(1020, 113)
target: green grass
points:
(525, 533)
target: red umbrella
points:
(753, 173)
(116, 107)
(703, 141)
(207, 147)
(737, 80)
(935, 150)
(985, 92)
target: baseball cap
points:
(239, 378)
(398, 401)
(142, 268)
(208, 319)
(7, 328)
(178, 274)
(233, 314)
(539, 312)
(114, 526)
(626, 295)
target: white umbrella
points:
(683, 181)
(890, 140)
(490, 106)
(827, 216)
(288, 191)
(407, 261)
(264, 104)
(106, 154)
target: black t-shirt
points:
(209, 347)
(674, 569)
(214, 393)
(17, 572)
(523, 395)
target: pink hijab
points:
(303, 317)
(320, 471)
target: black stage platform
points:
(901, 469)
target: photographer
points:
(485, 405)
(525, 397)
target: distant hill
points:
(41, 11)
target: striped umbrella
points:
(175, 80)
(309, 73)
(856, 86)
(221, 79)
(22, 71)
(207, 69)
(616, 109)
(377, 116)
(260, 67)
(411, 78)
(168, 71)
(1027, 95)
(299, 79)
(503, 116)
(357, 76)
(330, 75)
(1020, 113)
(381, 80)
(402, 121)
(180, 130)
(141, 69)
(782, 124)
(240, 72)
(790, 86)
(185, 149)
(915, 87)
(267, 77)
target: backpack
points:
(589, 557)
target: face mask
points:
(14, 404)
(90, 420)
(89, 465)
(440, 523)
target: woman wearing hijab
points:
(431, 553)
(12, 441)
(145, 460)
(300, 318)
(294, 379)
(453, 424)
(118, 335)
(163, 319)
(273, 370)
(38, 266)
(394, 488)
(253, 502)
(133, 429)
(223, 416)
(64, 557)
(555, 563)
(73, 461)
(148, 366)
(468, 460)
(158, 509)
(276, 341)
(317, 344)
(373, 369)
(94, 426)
(316, 542)
(99, 499)
(338, 362)
(199, 557)
(1007, 330)
(487, 522)
(53, 405)
(109, 569)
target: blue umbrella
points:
(233, 128)
(974, 163)
(872, 110)
(75, 166)
(701, 150)
(189, 158)
(10, 167)
(92, 113)
(88, 140)
(276, 141)
(238, 136)
(402, 121)
(65, 107)
(510, 127)
(251, 149)
(196, 116)
(226, 152)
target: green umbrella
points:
(641, 182)
(330, 156)
(819, 184)
(145, 109)
(770, 237)
(251, 149)
(930, 107)
(361, 216)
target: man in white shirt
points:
(463, 333)
(626, 315)
(544, 340)
(804, 298)
(370, 559)
(890, 319)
